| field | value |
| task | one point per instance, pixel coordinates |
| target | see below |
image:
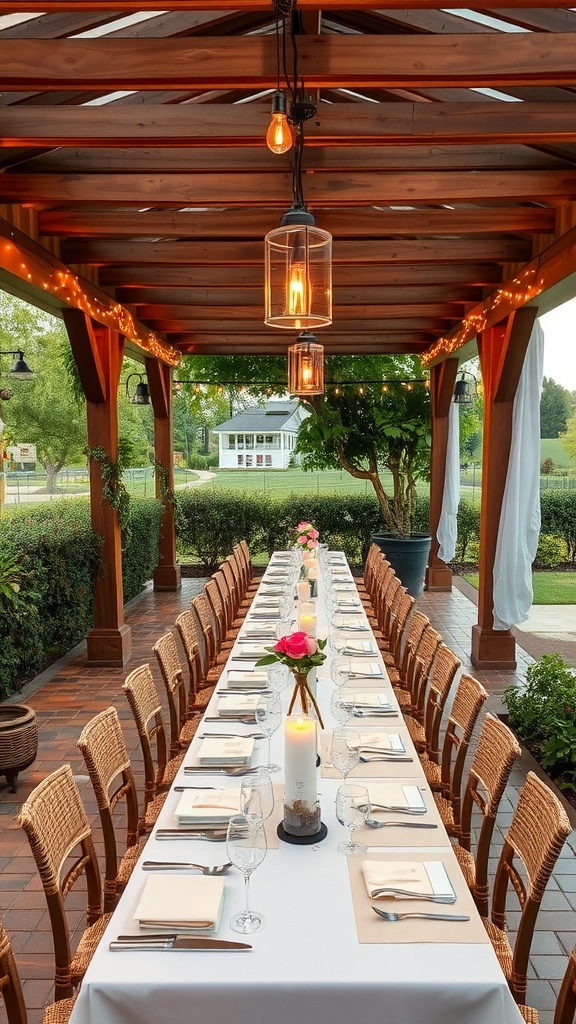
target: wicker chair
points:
(241, 554)
(214, 658)
(566, 1004)
(232, 622)
(373, 558)
(492, 763)
(426, 736)
(446, 777)
(397, 625)
(144, 702)
(54, 1013)
(183, 723)
(418, 665)
(105, 755)
(201, 682)
(537, 833)
(398, 673)
(217, 607)
(55, 822)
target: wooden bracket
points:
(85, 350)
(159, 380)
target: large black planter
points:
(408, 556)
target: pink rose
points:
(280, 646)
(312, 645)
(312, 544)
(301, 540)
(297, 645)
(303, 526)
(313, 534)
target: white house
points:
(260, 437)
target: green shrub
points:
(209, 523)
(468, 529)
(558, 509)
(197, 461)
(551, 552)
(140, 554)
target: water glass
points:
(338, 640)
(246, 848)
(352, 808)
(278, 676)
(268, 714)
(342, 705)
(257, 795)
(345, 750)
(340, 670)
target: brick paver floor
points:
(68, 694)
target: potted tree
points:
(374, 422)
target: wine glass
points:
(341, 671)
(257, 795)
(342, 705)
(345, 750)
(352, 807)
(268, 714)
(338, 640)
(278, 674)
(246, 848)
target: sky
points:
(559, 326)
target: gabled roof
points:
(270, 419)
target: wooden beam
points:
(252, 253)
(355, 223)
(375, 311)
(23, 258)
(137, 6)
(256, 327)
(550, 267)
(195, 298)
(85, 350)
(159, 389)
(323, 188)
(325, 61)
(232, 344)
(346, 124)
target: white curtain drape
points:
(520, 516)
(447, 531)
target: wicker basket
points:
(18, 740)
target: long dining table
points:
(322, 955)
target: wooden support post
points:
(98, 353)
(442, 380)
(502, 350)
(167, 572)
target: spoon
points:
(382, 757)
(392, 890)
(212, 835)
(399, 824)
(232, 772)
(390, 915)
(206, 869)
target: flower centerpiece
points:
(301, 653)
(307, 536)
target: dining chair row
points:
(423, 671)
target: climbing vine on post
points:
(166, 492)
(113, 489)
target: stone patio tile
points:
(546, 942)
(549, 967)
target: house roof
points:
(270, 419)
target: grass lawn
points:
(549, 587)
(553, 448)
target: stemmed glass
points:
(257, 795)
(341, 671)
(268, 714)
(278, 674)
(246, 848)
(342, 705)
(338, 640)
(345, 750)
(352, 807)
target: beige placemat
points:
(372, 929)
(401, 834)
(389, 769)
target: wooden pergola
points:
(136, 189)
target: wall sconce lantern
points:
(465, 389)
(20, 370)
(306, 366)
(141, 393)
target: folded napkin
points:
(237, 704)
(369, 700)
(234, 750)
(271, 589)
(271, 615)
(277, 574)
(341, 577)
(351, 621)
(360, 647)
(348, 602)
(180, 902)
(395, 794)
(428, 877)
(266, 602)
(344, 588)
(379, 741)
(208, 806)
(237, 680)
(365, 668)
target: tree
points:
(43, 411)
(569, 437)
(555, 408)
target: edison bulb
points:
(279, 135)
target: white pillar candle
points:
(300, 763)
(307, 618)
(303, 589)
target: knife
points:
(161, 942)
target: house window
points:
(249, 460)
(240, 460)
(240, 441)
(259, 460)
(249, 440)
(231, 440)
(268, 460)
(260, 439)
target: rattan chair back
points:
(393, 601)
(468, 701)
(54, 819)
(419, 666)
(217, 608)
(226, 598)
(142, 695)
(233, 584)
(102, 745)
(537, 833)
(242, 551)
(399, 620)
(496, 751)
(416, 626)
(166, 652)
(10, 982)
(243, 566)
(187, 626)
(440, 679)
(201, 607)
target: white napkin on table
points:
(427, 877)
(208, 806)
(369, 699)
(365, 668)
(360, 647)
(180, 902)
(395, 794)
(379, 740)
(237, 703)
(236, 679)
(234, 750)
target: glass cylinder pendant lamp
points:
(306, 366)
(298, 259)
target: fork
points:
(206, 869)
(383, 756)
(210, 835)
(390, 915)
(394, 809)
(390, 890)
(399, 824)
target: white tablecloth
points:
(306, 965)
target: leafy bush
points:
(197, 461)
(468, 528)
(209, 523)
(140, 554)
(551, 551)
(544, 715)
(558, 509)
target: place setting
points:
(400, 813)
(376, 754)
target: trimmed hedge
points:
(558, 509)
(59, 556)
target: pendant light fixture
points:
(306, 366)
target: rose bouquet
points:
(301, 653)
(307, 537)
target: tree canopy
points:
(555, 408)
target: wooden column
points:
(442, 380)
(98, 355)
(167, 572)
(502, 350)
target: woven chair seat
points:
(416, 730)
(529, 1014)
(201, 702)
(188, 730)
(467, 866)
(446, 813)
(58, 1013)
(394, 675)
(87, 948)
(153, 810)
(432, 772)
(403, 698)
(501, 945)
(128, 862)
(171, 769)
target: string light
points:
(279, 135)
